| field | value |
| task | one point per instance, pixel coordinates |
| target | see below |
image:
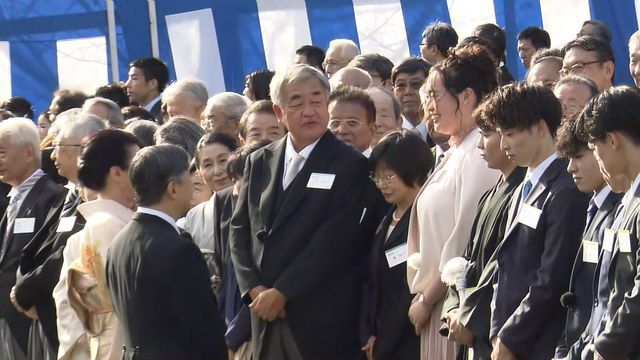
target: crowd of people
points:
(343, 208)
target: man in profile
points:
(147, 79)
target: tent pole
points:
(153, 28)
(113, 44)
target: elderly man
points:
(310, 55)
(408, 77)
(339, 53)
(300, 208)
(591, 57)
(574, 92)
(147, 79)
(437, 39)
(545, 70)
(186, 98)
(378, 66)
(223, 113)
(32, 195)
(350, 76)
(388, 116)
(352, 117)
(634, 57)
(105, 109)
(259, 123)
(42, 258)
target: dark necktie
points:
(591, 213)
(70, 203)
(526, 189)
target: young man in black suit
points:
(147, 79)
(545, 226)
(612, 124)
(157, 278)
(584, 169)
(295, 235)
(32, 194)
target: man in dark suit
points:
(583, 166)
(158, 281)
(545, 226)
(613, 127)
(32, 195)
(295, 237)
(147, 79)
(42, 259)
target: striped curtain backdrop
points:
(46, 45)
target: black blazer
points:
(309, 247)
(580, 295)
(533, 271)
(620, 329)
(39, 201)
(156, 111)
(161, 292)
(390, 297)
(40, 267)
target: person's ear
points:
(615, 140)
(278, 111)
(609, 68)
(153, 84)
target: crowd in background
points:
(343, 208)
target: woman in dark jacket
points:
(399, 178)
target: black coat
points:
(42, 197)
(307, 243)
(533, 271)
(161, 292)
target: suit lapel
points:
(397, 232)
(273, 160)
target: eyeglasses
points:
(383, 179)
(332, 63)
(577, 67)
(58, 145)
(402, 86)
(334, 124)
(432, 96)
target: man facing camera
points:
(295, 234)
(352, 117)
(158, 281)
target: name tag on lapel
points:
(607, 242)
(24, 225)
(397, 255)
(321, 181)
(66, 224)
(624, 241)
(590, 252)
(529, 215)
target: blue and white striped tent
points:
(50, 44)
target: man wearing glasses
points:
(592, 58)
(407, 78)
(339, 53)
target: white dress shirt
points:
(290, 152)
(421, 128)
(152, 103)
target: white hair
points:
(114, 114)
(192, 88)
(61, 119)
(348, 48)
(22, 131)
(81, 126)
(235, 104)
(295, 73)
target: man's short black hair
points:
(569, 142)
(539, 37)
(410, 66)
(153, 68)
(521, 105)
(603, 49)
(613, 110)
(440, 34)
(404, 153)
(494, 36)
(69, 99)
(106, 149)
(18, 106)
(374, 62)
(135, 111)
(314, 55)
(116, 92)
(601, 30)
(354, 95)
(237, 159)
(153, 168)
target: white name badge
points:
(321, 181)
(24, 225)
(590, 252)
(397, 255)
(624, 241)
(529, 215)
(66, 224)
(607, 242)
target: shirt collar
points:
(152, 103)
(632, 190)
(534, 175)
(161, 215)
(27, 184)
(601, 196)
(108, 206)
(70, 186)
(289, 151)
(367, 152)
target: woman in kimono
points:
(443, 212)
(467, 306)
(103, 168)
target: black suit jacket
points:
(310, 248)
(620, 329)
(156, 111)
(581, 283)
(533, 271)
(390, 297)
(161, 292)
(39, 201)
(40, 267)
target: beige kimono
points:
(86, 286)
(439, 230)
